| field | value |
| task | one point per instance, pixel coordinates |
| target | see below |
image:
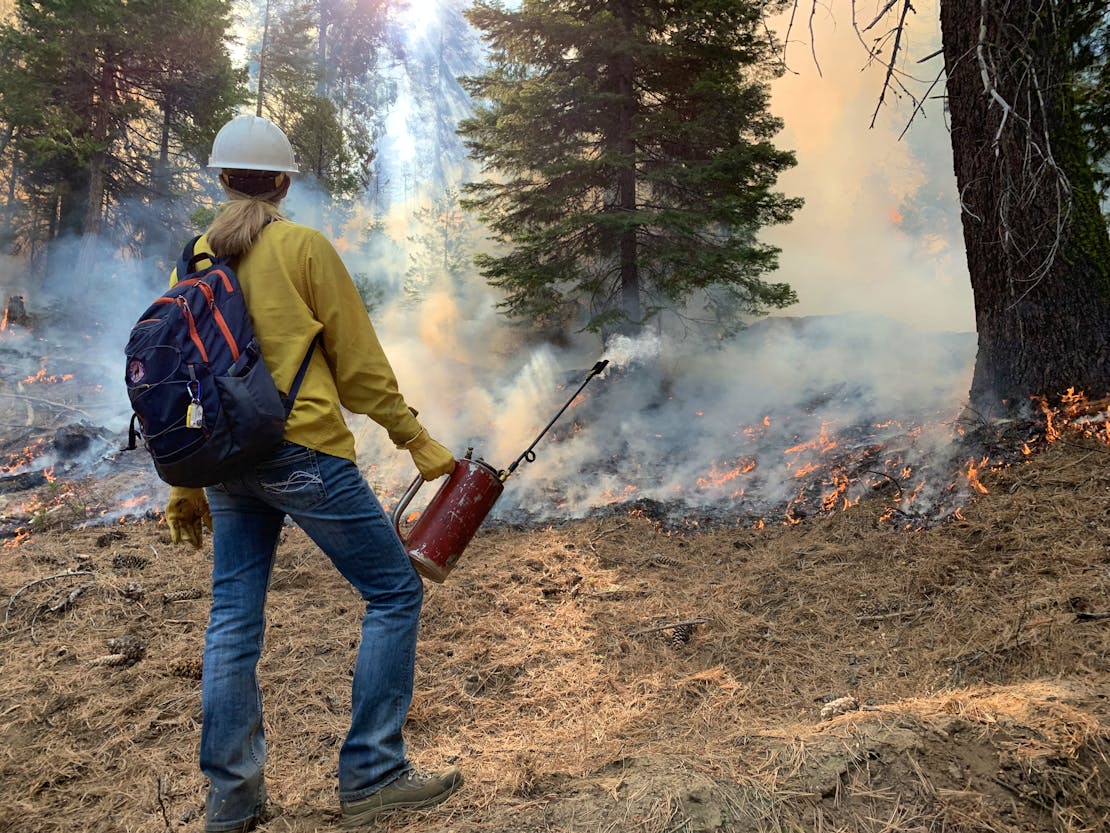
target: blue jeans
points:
(331, 501)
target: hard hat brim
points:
(242, 166)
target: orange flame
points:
(717, 477)
(838, 494)
(42, 377)
(973, 475)
(824, 443)
(21, 535)
(18, 461)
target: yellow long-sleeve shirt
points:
(296, 285)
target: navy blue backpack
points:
(206, 405)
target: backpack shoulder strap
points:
(187, 263)
(291, 397)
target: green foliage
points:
(631, 162)
(202, 218)
(105, 102)
(371, 292)
(317, 71)
(440, 251)
(1090, 40)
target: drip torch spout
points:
(529, 454)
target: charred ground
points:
(555, 671)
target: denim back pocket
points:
(291, 480)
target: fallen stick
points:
(66, 601)
(48, 402)
(30, 584)
(1091, 617)
(879, 617)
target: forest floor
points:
(554, 670)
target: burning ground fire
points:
(834, 469)
(658, 443)
(770, 452)
(43, 377)
(927, 471)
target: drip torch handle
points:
(399, 510)
(529, 454)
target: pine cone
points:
(190, 668)
(133, 591)
(182, 595)
(129, 561)
(130, 646)
(681, 635)
(126, 650)
(660, 560)
(108, 537)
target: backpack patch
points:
(205, 404)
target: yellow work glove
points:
(432, 459)
(187, 515)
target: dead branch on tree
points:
(892, 61)
(1023, 129)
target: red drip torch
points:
(441, 533)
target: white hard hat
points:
(252, 143)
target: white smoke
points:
(713, 428)
(622, 350)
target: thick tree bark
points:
(1037, 248)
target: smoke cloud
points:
(880, 231)
(865, 374)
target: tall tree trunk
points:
(9, 206)
(626, 181)
(94, 207)
(323, 23)
(89, 254)
(156, 232)
(1037, 248)
(262, 59)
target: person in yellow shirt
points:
(301, 298)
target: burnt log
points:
(15, 311)
(22, 482)
(72, 440)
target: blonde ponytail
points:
(238, 225)
(244, 215)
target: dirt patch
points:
(610, 675)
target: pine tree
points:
(317, 60)
(440, 250)
(101, 97)
(632, 162)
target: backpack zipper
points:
(193, 334)
(221, 322)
